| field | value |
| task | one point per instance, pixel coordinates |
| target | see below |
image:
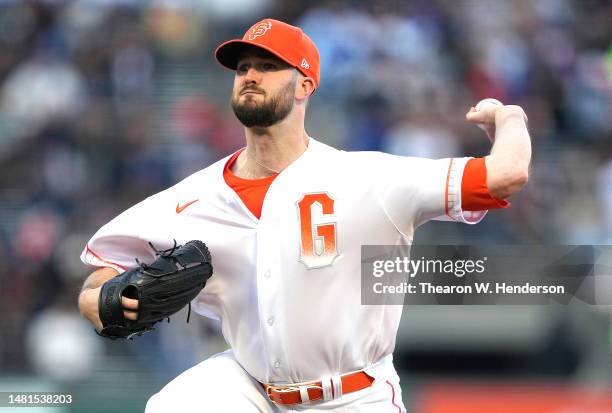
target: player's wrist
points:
(82, 301)
(509, 112)
(88, 305)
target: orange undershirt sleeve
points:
(475, 194)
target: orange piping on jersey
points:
(393, 396)
(450, 165)
(103, 260)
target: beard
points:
(267, 113)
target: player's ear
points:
(305, 87)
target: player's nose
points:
(252, 75)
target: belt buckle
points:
(270, 388)
(286, 389)
(279, 390)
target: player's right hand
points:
(485, 118)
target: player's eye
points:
(269, 66)
(242, 69)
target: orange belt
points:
(291, 394)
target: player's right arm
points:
(90, 295)
(507, 166)
(413, 191)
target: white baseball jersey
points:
(286, 287)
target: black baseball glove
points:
(162, 288)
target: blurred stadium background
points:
(105, 102)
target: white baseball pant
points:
(220, 385)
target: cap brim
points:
(228, 53)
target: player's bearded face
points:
(253, 111)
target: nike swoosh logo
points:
(181, 208)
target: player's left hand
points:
(132, 302)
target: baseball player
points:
(284, 219)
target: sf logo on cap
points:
(260, 29)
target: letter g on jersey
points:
(318, 235)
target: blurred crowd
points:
(103, 103)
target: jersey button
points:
(277, 364)
(267, 274)
(270, 321)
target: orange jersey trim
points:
(251, 191)
(475, 194)
(450, 165)
(89, 251)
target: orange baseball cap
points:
(288, 43)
